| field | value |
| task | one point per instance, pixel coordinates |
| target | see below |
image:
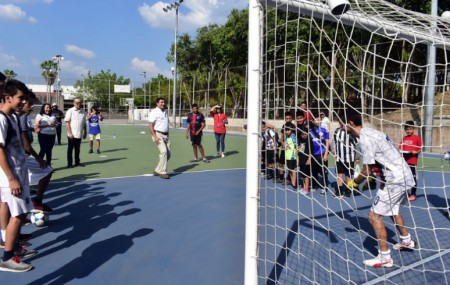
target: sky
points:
(126, 37)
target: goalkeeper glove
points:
(352, 185)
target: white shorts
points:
(35, 172)
(96, 137)
(388, 200)
(17, 205)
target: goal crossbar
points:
(377, 17)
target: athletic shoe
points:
(98, 151)
(323, 192)
(223, 154)
(303, 192)
(412, 198)
(347, 195)
(91, 151)
(277, 180)
(378, 262)
(14, 265)
(194, 160)
(269, 177)
(79, 165)
(205, 160)
(24, 253)
(155, 173)
(403, 246)
(338, 195)
(217, 155)
(290, 188)
(164, 176)
(41, 208)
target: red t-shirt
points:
(408, 144)
(219, 126)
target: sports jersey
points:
(408, 144)
(15, 153)
(378, 147)
(291, 151)
(345, 145)
(195, 121)
(94, 126)
(268, 139)
(319, 135)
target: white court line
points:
(144, 175)
(404, 268)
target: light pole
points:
(175, 5)
(144, 73)
(57, 59)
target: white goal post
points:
(370, 58)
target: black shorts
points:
(305, 170)
(271, 156)
(282, 157)
(196, 140)
(291, 164)
(346, 168)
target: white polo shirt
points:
(160, 118)
(77, 119)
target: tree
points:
(10, 74)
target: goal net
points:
(391, 66)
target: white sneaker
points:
(378, 262)
(14, 265)
(223, 154)
(323, 192)
(402, 246)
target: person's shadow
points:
(92, 258)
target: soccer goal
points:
(390, 65)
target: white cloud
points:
(71, 67)
(8, 61)
(81, 52)
(12, 13)
(148, 66)
(193, 14)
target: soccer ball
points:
(39, 219)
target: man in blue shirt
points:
(319, 163)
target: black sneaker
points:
(91, 151)
(98, 151)
(79, 165)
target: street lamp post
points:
(57, 59)
(144, 73)
(175, 5)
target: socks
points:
(386, 255)
(406, 239)
(7, 255)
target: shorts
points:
(196, 140)
(271, 157)
(291, 164)
(282, 157)
(387, 201)
(17, 205)
(35, 172)
(96, 137)
(305, 170)
(346, 168)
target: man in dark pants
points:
(58, 114)
(76, 130)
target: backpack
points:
(10, 131)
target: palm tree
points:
(10, 74)
(50, 73)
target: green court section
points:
(128, 150)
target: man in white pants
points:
(376, 147)
(159, 129)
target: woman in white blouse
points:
(45, 126)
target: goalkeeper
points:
(377, 147)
